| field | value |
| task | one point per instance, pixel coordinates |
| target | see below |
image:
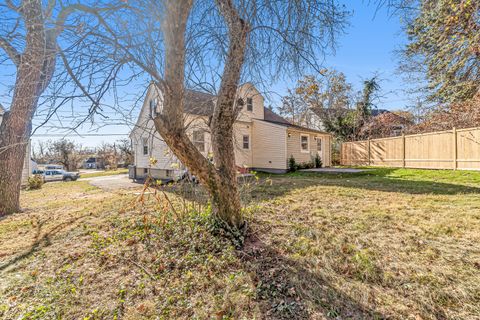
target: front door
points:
(319, 147)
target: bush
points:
(292, 164)
(35, 182)
(306, 165)
(317, 161)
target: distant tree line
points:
(72, 155)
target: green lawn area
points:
(387, 243)
(104, 173)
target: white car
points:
(60, 175)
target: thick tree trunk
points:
(34, 71)
(220, 179)
(14, 134)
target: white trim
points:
(249, 142)
(308, 143)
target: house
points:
(264, 141)
(27, 165)
(94, 163)
(386, 124)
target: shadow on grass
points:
(287, 289)
(377, 180)
(39, 242)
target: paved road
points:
(113, 182)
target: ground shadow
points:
(269, 186)
(287, 289)
(376, 180)
(39, 242)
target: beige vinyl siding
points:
(243, 157)
(294, 147)
(27, 168)
(268, 146)
(248, 91)
(199, 123)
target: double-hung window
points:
(304, 142)
(319, 144)
(249, 104)
(198, 140)
(145, 146)
(246, 142)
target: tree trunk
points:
(34, 72)
(220, 179)
(14, 134)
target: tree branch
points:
(12, 53)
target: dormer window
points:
(249, 104)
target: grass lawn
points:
(104, 173)
(387, 243)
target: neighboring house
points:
(263, 140)
(386, 124)
(94, 163)
(27, 165)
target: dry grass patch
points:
(399, 244)
(374, 245)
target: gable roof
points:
(271, 116)
(199, 103)
(202, 104)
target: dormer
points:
(250, 103)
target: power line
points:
(79, 135)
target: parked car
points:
(60, 175)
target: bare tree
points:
(65, 152)
(110, 155)
(126, 151)
(35, 38)
(183, 44)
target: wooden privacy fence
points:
(453, 149)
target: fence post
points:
(403, 151)
(455, 152)
(369, 153)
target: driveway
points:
(113, 182)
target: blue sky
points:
(367, 47)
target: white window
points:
(145, 146)
(246, 141)
(319, 144)
(304, 143)
(249, 104)
(199, 140)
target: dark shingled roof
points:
(272, 117)
(202, 104)
(199, 103)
